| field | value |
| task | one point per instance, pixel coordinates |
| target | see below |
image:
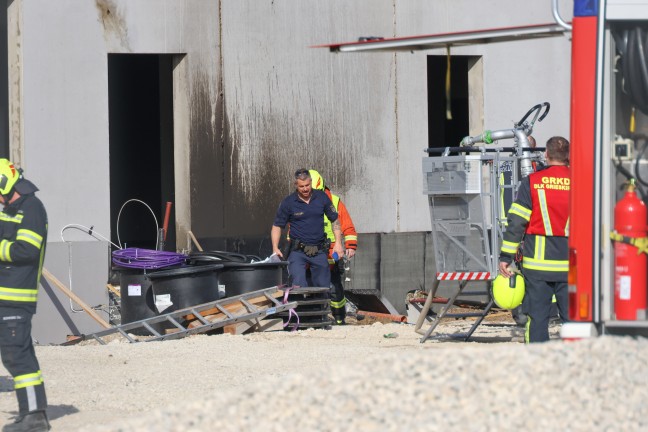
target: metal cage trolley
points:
(469, 194)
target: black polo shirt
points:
(306, 220)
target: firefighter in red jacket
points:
(540, 217)
(23, 236)
(350, 238)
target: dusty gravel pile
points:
(348, 378)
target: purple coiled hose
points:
(146, 258)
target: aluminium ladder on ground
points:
(466, 197)
(175, 320)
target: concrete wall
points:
(361, 118)
(4, 89)
(58, 86)
(288, 105)
(516, 76)
(59, 96)
(83, 268)
(253, 101)
(391, 265)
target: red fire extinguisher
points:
(630, 287)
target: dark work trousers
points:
(19, 358)
(338, 301)
(537, 305)
(319, 268)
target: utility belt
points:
(311, 250)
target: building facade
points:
(212, 104)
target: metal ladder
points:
(443, 313)
(199, 314)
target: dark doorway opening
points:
(140, 95)
(444, 132)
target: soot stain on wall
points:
(206, 165)
(113, 24)
(259, 173)
(241, 183)
(249, 211)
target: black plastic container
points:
(221, 256)
(182, 286)
(186, 286)
(241, 278)
(136, 296)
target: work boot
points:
(31, 422)
(339, 315)
(519, 317)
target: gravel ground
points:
(346, 378)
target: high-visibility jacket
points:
(23, 237)
(349, 234)
(506, 194)
(540, 217)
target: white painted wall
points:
(290, 105)
(517, 76)
(58, 83)
(360, 118)
(59, 125)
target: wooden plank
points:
(94, 315)
(237, 328)
(113, 289)
(239, 310)
(234, 306)
(195, 241)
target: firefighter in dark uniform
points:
(540, 217)
(304, 210)
(23, 236)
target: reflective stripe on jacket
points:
(349, 234)
(550, 202)
(22, 250)
(545, 250)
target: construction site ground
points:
(368, 375)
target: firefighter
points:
(304, 210)
(350, 237)
(539, 218)
(518, 314)
(23, 236)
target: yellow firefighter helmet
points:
(9, 175)
(317, 180)
(508, 292)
